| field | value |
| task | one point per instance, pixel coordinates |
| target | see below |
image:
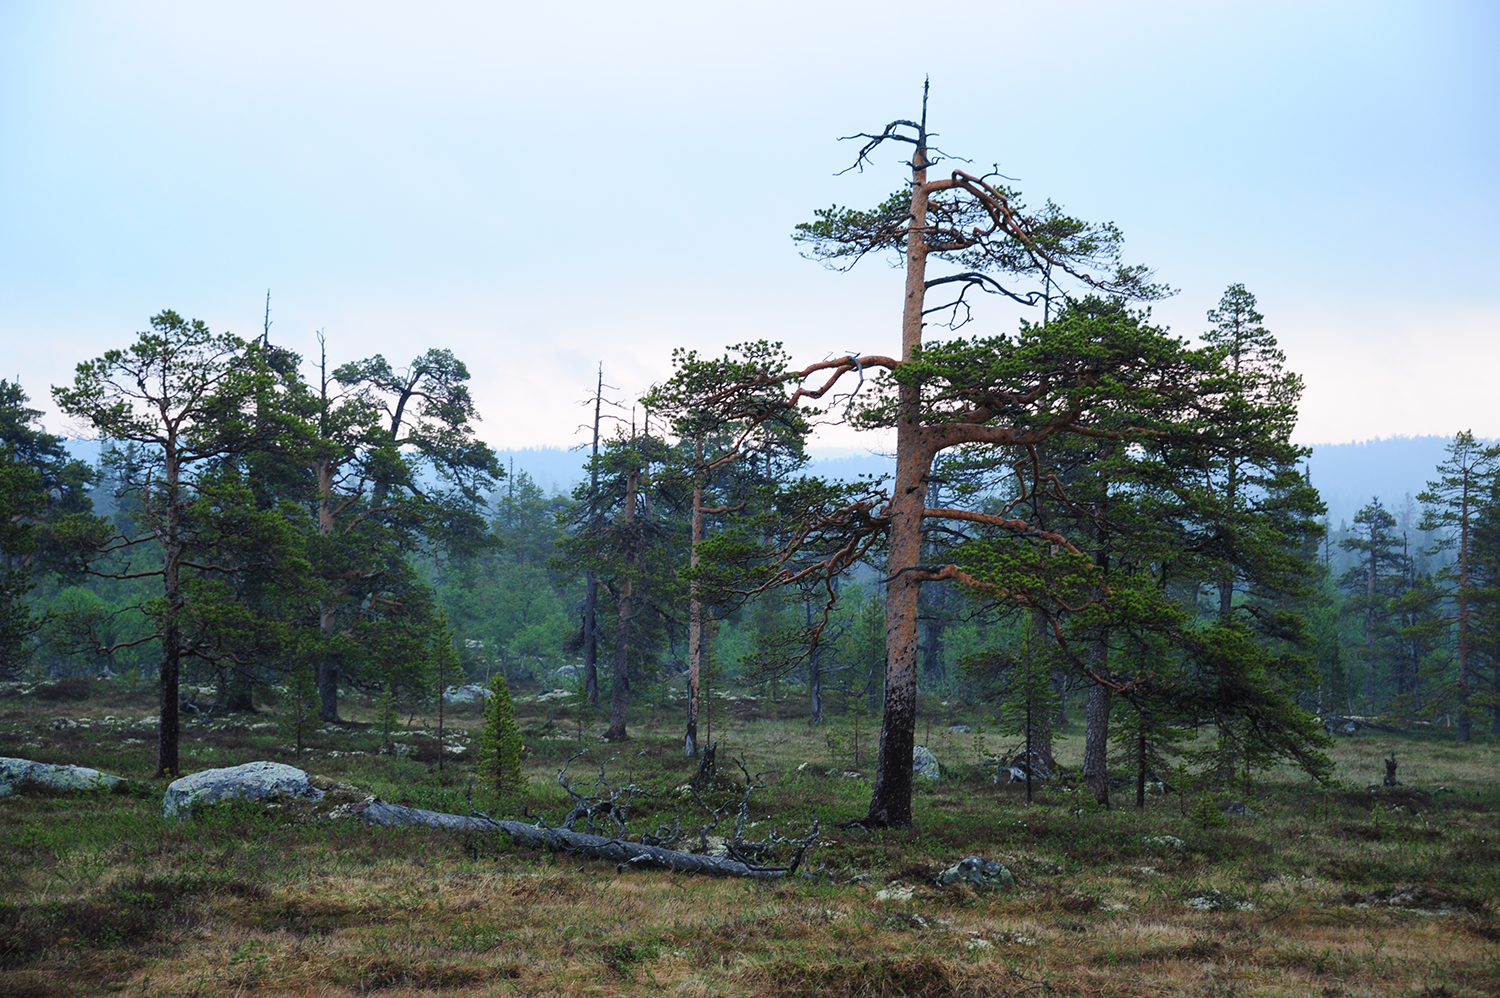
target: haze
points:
(541, 190)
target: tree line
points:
(1088, 510)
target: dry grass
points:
(1326, 893)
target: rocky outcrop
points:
(22, 775)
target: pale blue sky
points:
(542, 189)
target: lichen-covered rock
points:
(1214, 899)
(466, 694)
(19, 775)
(924, 765)
(252, 781)
(979, 872)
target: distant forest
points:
(1092, 518)
(511, 595)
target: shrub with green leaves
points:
(500, 743)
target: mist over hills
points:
(1349, 475)
(1346, 475)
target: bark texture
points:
(1096, 741)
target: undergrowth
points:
(1338, 890)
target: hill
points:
(1347, 475)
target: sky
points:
(543, 189)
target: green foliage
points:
(385, 712)
(1206, 814)
(500, 745)
(1026, 701)
(43, 501)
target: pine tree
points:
(1453, 503)
(43, 499)
(500, 743)
(1260, 510)
(190, 399)
(1372, 583)
(1486, 604)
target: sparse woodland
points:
(1100, 589)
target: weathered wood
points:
(625, 855)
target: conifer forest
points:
(1089, 694)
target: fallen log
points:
(625, 855)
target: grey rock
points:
(466, 694)
(568, 671)
(17, 775)
(924, 765)
(1019, 767)
(252, 781)
(63, 724)
(1239, 807)
(960, 729)
(978, 871)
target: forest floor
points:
(1324, 891)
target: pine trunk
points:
(619, 699)
(1370, 624)
(327, 678)
(1465, 726)
(695, 617)
(1096, 740)
(591, 639)
(169, 728)
(591, 597)
(1039, 758)
(814, 673)
(890, 798)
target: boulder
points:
(252, 781)
(979, 872)
(18, 775)
(924, 765)
(466, 694)
(960, 729)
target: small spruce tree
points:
(500, 744)
(385, 706)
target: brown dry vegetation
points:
(1343, 892)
